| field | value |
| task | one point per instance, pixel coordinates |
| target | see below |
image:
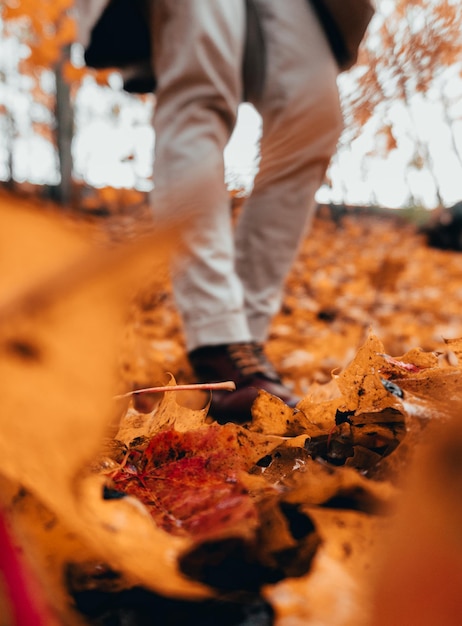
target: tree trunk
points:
(8, 69)
(64, 132)
(10, 135)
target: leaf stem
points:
(227, 385)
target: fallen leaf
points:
(360, 382)
(58, 357)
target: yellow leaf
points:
(62, 312)
(360, 382)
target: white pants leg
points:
(225, 294)
(198, 59)
(301, 124)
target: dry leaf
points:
(421, 575)
(360, 382)
(58, 361)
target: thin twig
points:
(226, 386)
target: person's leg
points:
(199, 87)
(301, 124)
(198, 48)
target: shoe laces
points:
(250, 359)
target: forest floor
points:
(343, 512)
(355, 274)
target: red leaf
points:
(190, 482)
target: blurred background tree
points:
(412, 57)
(38, 37)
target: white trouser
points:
(228, 283)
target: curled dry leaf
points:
(273, 417)
(360, 382)
(434, 394)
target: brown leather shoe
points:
(246, 365)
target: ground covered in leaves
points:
(356, 273)
(345, 511)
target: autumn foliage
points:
(47, 27)
(406, 54)
(410, 60)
